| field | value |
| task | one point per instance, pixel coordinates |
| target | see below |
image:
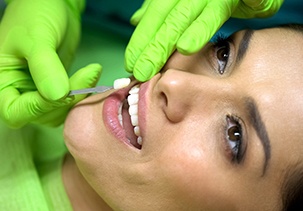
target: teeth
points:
(134, 90)
(137, 130)
(134, 120)
(132, 100)
(120, 115)
(139, 140)
(133, 109)
(121, 83)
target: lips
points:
(120, 115)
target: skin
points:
(187, 165)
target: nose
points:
(184, 91)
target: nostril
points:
(174, 110)
(173, 94)
(164, 97)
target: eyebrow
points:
(259, 126)
(244, 45)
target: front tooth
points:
(134, 90)
(133, 109)
(120, 119)
(120, 115)
(120, 109)
(139, 140)
(133, 99)
(134, 120)
(121, 83)
(137, 130)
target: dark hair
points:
(294, 27)
(292, 188)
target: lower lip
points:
(110, 114)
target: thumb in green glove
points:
(21, 103)
(185, 25)
(45, 34)
(84, 78)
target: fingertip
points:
(85, 76)
(134, 20)
(127, 63)
(188, 46)
(183, 50)
(148, 66)
(54, 88)
(142, 76)
(94, 67)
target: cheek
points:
(193, 173)
(80, 129)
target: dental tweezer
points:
(97, 89)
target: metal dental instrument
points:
(97, 89)
(118, 84)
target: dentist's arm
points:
(185, 25)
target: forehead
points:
(273, 68)
(274, 65)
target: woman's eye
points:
(221, 50)
(222, 53)
(234, 138)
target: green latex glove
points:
(21, 103)
(185, 25)
(45, 33)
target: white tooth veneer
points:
(121, 83)
(133, 99)
(133, 109)
(134, 90)
(137, 130)
(134, 120)
(139, 140)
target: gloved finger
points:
(264, 5)
(14, 72)
(48, 73)
(19, 109)
(163, 43)
(69, 44)
(255, 3)
(257, 8)
(137, 16)
(38, 46)
(84, 78)
(20, 102)
(148, 27)
(205, 26)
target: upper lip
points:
(145, 93)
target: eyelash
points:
(234, 130)
(221, 42)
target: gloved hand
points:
(45, 33)
(21, 103)
(86, 77)
(185, 25)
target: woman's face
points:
(219, 129)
